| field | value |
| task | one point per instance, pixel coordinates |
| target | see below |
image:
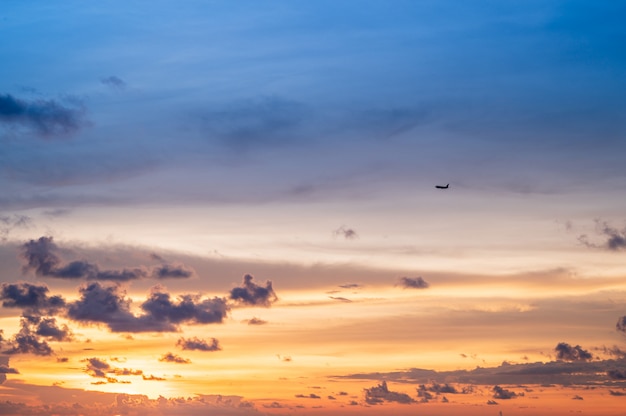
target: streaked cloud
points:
(197, 344)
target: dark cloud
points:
(189, 309)
(33, 299)
(99, 368)
(256, 321)
(197, 344)
(172, 271)
(347, 233)
(621, 324)
(48, 328)
(617, 374)
(45, 117)
(41, 256)
(7, 370)
(25, 342)
(114, 82)
(381, 393)
(615, 238)
(566, 352)
(173, 358)
(503, 394)
(414, 283)
(252, 294)
(308, 396)
(105, 304)
(492, 402)
(616, 393)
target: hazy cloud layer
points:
(45, 117)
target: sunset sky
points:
(229, 207)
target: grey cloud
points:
(414, 283)
(31, 298)
(256, 321)
(341, 299)
(502, 393)
(45, 117)
(197, 344)
(10, 222)
(309, 396)
(566, 352)
(252, 294)
(24, 342)
(617, 374)
(174, 271)
(104, 304)
(99, 368)
(381, 393)
(621, 324)
(173, 358)
(8, 370)
(47, 327)
(114, 82)
(616, 393)
(41, 256)
(351, 286)
(189, 308)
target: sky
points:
(229, 208)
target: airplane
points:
(442, 187)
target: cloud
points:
(616, 374)
(114, 82)
(616, 393)
(99, 368)
(381, 393)
(44, 117)
(256, 321)
(47, 327)
(104, 304)
(33, 299)
(621, 324)
(167, 271)
(10, 222)
(197, 344)
(347, 233)
(566, 352)
(252, 294)
(615, 239)
(309, 396)
(341, 299)
(351, 286)
(25, 342)
(153, 378)
(173, 358)
(414, 283)
(7, 370)
(504, 394)
(41, 256)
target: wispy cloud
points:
(197, 344)
(114, 82)
(615, 239)
(47, 118)
(345, 232)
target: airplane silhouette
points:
(442, 187)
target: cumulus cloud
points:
(413, 283)
(25, 342)
(33, 299)
(107, 305)
(42, 257)
(197, 344)
(381, 393)
(504, 394)
(566, 352)
(48, 328)
(44, 117)
(252, 294)
(173, 358)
